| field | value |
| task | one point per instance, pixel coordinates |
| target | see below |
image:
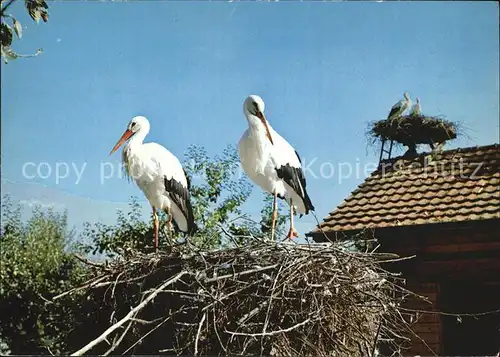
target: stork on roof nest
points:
(412, 128)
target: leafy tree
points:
(266, 216)
(129, 233)
(218, 191)
(37, 9)
(36, 264)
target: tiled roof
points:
(454, 185)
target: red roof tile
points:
(454, 185)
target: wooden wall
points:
(428, 325)
(460, 254)
(456, 253)
(459, 251)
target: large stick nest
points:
(414, 129)
(261, 299)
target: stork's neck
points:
(137, 139)
(255, 124)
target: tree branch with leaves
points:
(37, 9)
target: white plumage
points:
(159, 174)
(400, 107)
(416, 109)
(271, 162)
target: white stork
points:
(399, 108)
(416, 109)
(159, 175)
(272, 163)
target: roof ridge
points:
(442, 153)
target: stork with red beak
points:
(272, 163)
(159, 175)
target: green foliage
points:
(37, 9)
(218, 191)
(35, 265)
(129, 232)
(266, 216)
(246, 227)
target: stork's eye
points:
(132, 125)
(256, 107)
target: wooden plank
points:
(426, 318)
(428, 337)
(422, 287)
(414, 239)
(458, 269)
(431, 328)
(418, 348)
(462, 247)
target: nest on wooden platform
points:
(411, 130)
(281, 299)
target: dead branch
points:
(101, 338)
(271, 333)
(198, 334)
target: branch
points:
(246, 272)
(272, 333)
(132, 312)
(5, 7)
(93, 283)
(91, 263)
(198, 334)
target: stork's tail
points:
(307, 202)
(192, 227)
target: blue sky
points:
(324, 70)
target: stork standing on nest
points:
(272, 163)
(416, 109)
(159, 175)
(400, 107)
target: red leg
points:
(156, 226)
(274, 215)
(292, 232)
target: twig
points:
(146, 335)
(271, 333)
(229, 295)
(491, 312)
(117, 342)
(241, 273)
(2, 11)
(198, 334)
(89, 262)
(88, 285)
(397, 259)
(103, 336)
(374, 348)
(266, 321)
(229, 235)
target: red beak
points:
(262, 118)
(126, 135)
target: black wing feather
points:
(187, 179)
(294, 177)
(394, 110)
(182, 198)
